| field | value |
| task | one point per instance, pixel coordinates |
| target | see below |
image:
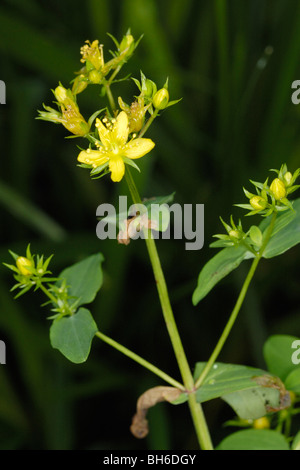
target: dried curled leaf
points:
(275, 382)
(151, 397)
(132, 226)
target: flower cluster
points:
(32, 271)
(272, 198)
(95, 69)
(118, 135)
(267, 200)
(29, 272)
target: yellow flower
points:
(135, 112)
(114, 146)
(92, 53)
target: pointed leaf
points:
(254, 402)
(84, 279)
(73, 335)
(286, 232)
(217, 268)
(225, 378)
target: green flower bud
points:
(95, 76)
(161, 99)
(288, 177)
(235, 234)
(79, 84)
(258, 203)
(150, 88)
(127, 43)
(278, 189)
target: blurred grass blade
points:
(31, 215)
(40, 52)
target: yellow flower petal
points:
(119, 134)
(137, 148)
(92, 157)
(117, 168)
(103, 132)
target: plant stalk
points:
(237, 307)
(195, 408)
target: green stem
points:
(237, 306)
(195, 408)
(114, 74)
(148, 123)
(110, 96)
(140, 360)
(48, 294)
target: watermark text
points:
(134, 222)
(2, 92)
(2, 352)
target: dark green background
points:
(233, 63)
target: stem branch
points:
(237, 306)
(140, 360)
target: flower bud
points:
(22, 265)
(150, 88)
(79, 84)
(126, 42)
(258, 203)
(288, 178)
(60, 94)
(95, 76)
(261, 423)
(235, 234)
(161, 99)
(278, 189)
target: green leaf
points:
(84, 278)
(254, 402)
(286, 232)
(73, 335)
(296, 442)
(254, 439)
(278, 353)
(224, 379)
(256, 235)
(217, 268)
(292, 382)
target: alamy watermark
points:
(296, 354)
(2, 92)
(131, 223)
(2, 352)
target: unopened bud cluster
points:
(273, 197)
(268, 199)
(31, 271)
